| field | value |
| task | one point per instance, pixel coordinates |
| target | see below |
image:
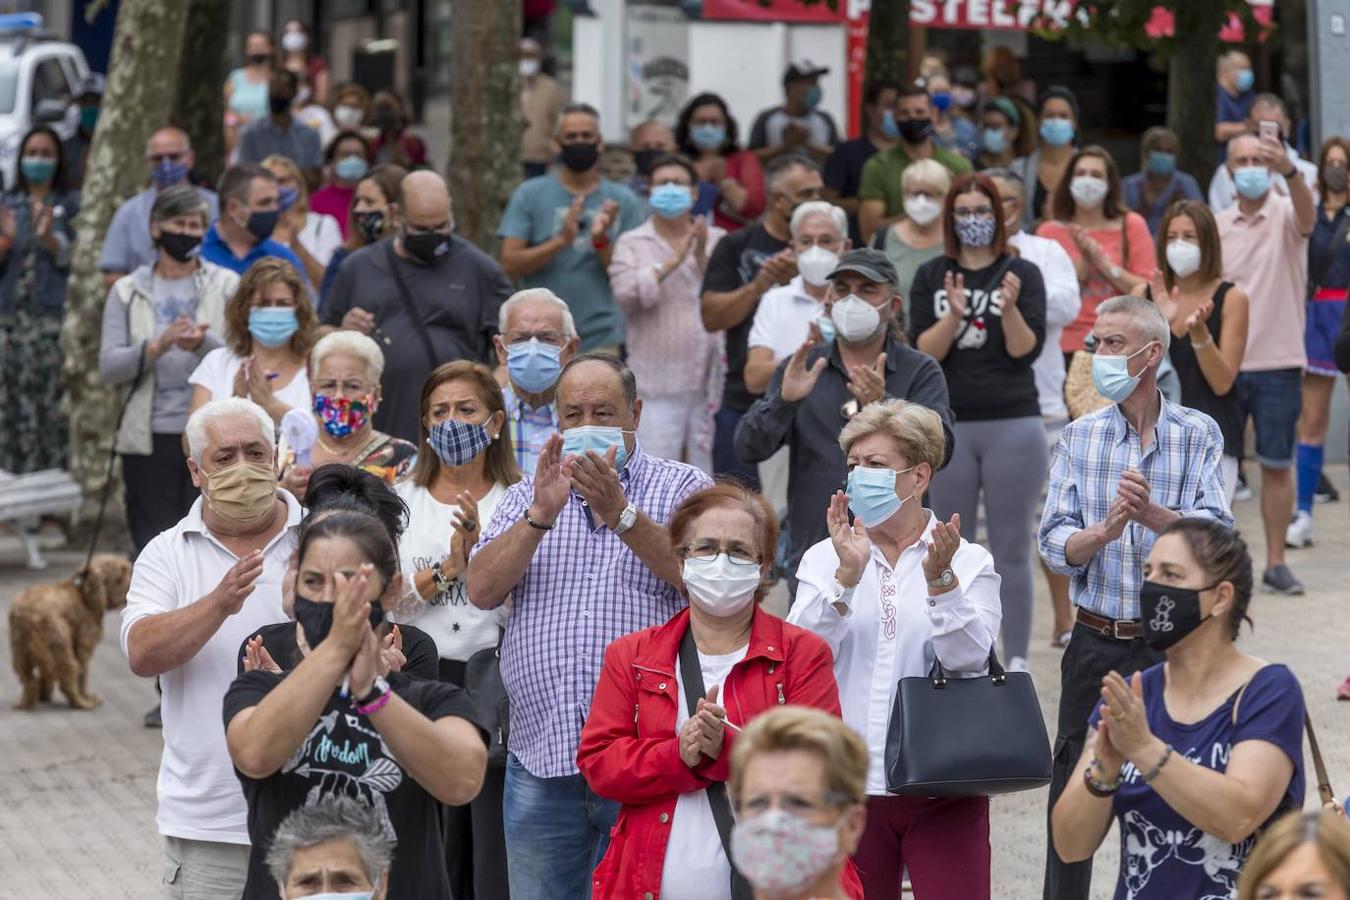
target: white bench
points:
(25, 499)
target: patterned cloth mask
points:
(779, 853)
(457, 443)
(341, 416)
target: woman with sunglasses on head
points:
(1197, 754)
(666, 759)
(891, 592)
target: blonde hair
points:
(815, 731)
(1327, 830)
(352, 343)
(928, 172)
(914, 427)
(301, 186)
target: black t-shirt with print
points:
(983, 380)
(419, 649)
(344, 755)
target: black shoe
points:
(152, 719)
(1326, 492)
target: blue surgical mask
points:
(826, 327)
(1245, 79)
(708, 137)
(1056, 132)
(88, 118)
(670, 201)
(888, 126)
(272, 326)
(1161, 163)
(872, 496)
(37, 169)
(812, 98)
(286, 197)
(1111, 375)
(1252, 182)
(351, 168)
(994, 140)
(577, 441)
(533, 365)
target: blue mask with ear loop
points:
(1111, 375)
(871, 494)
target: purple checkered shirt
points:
(583, 589)
(530, 428)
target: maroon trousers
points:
(943, 842)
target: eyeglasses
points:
(544, 337)
(707, 549)
(350, 388)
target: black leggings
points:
(159, 490)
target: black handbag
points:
(483, 681)
(966, 737)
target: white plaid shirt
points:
(583, 588)
(1182, 468)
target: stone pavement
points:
(77, 793)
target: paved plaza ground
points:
(77, 789)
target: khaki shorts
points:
(204, 870)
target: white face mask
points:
(719, 585)
(1088, 190)
(921, 209)
(1183, 257)
(856, 319)
(347, 116)
(529, 67)
(293, 41)
(816, 264)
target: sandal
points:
(1062, 641)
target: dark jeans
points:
(1087, 659)
(475, 841)
(725, 460)
(159, 490)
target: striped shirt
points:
(530, 428)
(583, 588)
(1182, 468)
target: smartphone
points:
(1270, 130)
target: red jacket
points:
(629, 750)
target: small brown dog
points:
(54, 628)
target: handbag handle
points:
(997, 675)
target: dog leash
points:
(112, 460)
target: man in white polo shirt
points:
(198, 591)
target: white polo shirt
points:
(199, 795)
(783, 318)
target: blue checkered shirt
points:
(583, 588)
(1182, 468)
(530, 428)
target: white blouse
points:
(892, 629)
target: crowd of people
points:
(451, 568)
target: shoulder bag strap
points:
(1324, 790)
(409, 307)
(1324, 261)
(692, 676)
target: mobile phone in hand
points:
(1269, 129)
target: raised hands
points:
(464, 531)
(867, 384)
(851, 543)
(596, 479)
(704, 732)
(1168, 302)
(551, 483)
(571, 222)
(798, 380)
(955, 286)
(237, 583)
(942, 548)
(603, 219)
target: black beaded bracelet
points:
(1099, 788)
(529, 520)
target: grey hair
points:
(335, 818)
(1010, 178)
(221, 409)
(543, 295)
(819, 208)
(625, 374)
(776, 171)
(572, 109)
(1147, 319)
(352, 343)
(179, 200)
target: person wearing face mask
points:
(75, 149)
(242, 234)
(1157, 185)
(798, 125)
(1265, 252)
(198, 590)
(1205, 747)
(558, 230)
(351, 109)
(1304, 854)
(881, 193)
(158, 324)
(655, 273)
(582, 550)
(1268, 115)
(247, 87)
(824, 384)
(1233, 96)
(1118, 476)
(1111, 248)
(980, 311)
(1002, 134)
(953, 132)
(856, 589)
(395, 291)
(394, 143)
(268, 331)
(298, 56)
(730, 180)
(786, 315)
(338, 721)
(535, 340)
(917, 237)
(279, 133)
(725, 661)
(797, 781)
(127, 244)
(541, 101)
(37, 235)
(313, 237)
(347, 161)
(1208, 318)
(648, 142)
(371, 216)
(843, 170)
(1046, 166)
(338, 844)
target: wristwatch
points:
(945, 579)
(627, 518)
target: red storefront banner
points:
(772, 11)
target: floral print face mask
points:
(341, 416)
(781, 854)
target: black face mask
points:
(279, 104)
(181, 247)
(316, 619)
(371, 225)
(580, 157)
(643, 159)
(426, 246)
(915, 131)
(1169, 613)
(259, 59)
(386, 119)
(261, 223)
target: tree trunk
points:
(887, 42)
(138, 99)
(199, 105)
(485, 120)
(1190, 85)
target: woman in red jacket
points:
(667, 764)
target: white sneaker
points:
(1017, 664)
(1300, 533)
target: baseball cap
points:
(803, 68)
(870, 263)
(92, 85)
